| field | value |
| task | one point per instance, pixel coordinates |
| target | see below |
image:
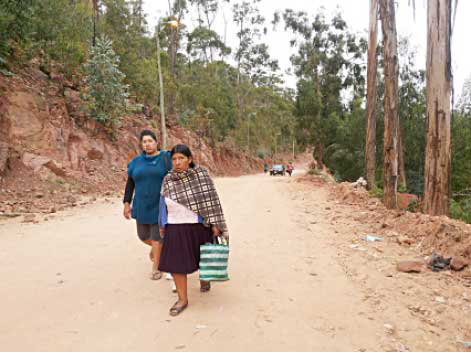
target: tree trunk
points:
(391, 103)
(319, 153)
(402, 182)
(370, 150)
(319, 149)
(438, 88)
(209, 24)
(239, 77)
(95, 19)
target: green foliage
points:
(15, 27)
(203, 40)
(105, 90)
(412, 116)
(242, 105)
(61, 30)
(328, 67)
(345, 156)
(461, 209)
(314, 171)
(124, 22)
(461, 152)
(376, 192)
(414, 206)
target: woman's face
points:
(180, 162)
(149, 145)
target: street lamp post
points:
(293, 147)
(163, 126)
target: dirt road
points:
(79, 282)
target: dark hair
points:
(147, 133)
(183, 149)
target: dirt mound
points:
(428, 234)
(420, 232)
(51, 153)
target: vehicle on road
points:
(277, 169)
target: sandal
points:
(156, 275)
(175, 310)
(205, 286)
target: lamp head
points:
(173, 23)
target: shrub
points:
(376, 192)
(105, 90)
(314, 171)
(461, 209)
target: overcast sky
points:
(355, 13)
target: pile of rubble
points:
(432, 236)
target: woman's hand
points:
(127, 210)
(162, 232)
(215, 231)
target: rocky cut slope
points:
(50, 151)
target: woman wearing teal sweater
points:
(145, 175)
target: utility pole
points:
(293, 148)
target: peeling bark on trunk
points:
(370, 146)
(402, 171)
(319, 150)
(438, 119)
(391, 103)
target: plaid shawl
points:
(194, 189)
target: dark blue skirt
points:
(181, 247)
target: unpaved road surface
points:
(79, 282)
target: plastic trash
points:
(372, 238)
(466, 344)
(438, 262)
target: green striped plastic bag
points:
(213, 262)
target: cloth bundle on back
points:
(194, 189)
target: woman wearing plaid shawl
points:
(190, 215)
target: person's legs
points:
(156, 249)
(156, 243)
(144, 234)
(182, 288)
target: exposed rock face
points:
(47, 142)
(3, 157)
